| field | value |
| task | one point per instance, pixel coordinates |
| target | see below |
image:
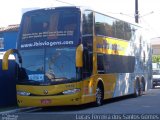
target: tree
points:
(156, 58)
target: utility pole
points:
(136, 12)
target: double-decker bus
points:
(73, 56)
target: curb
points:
(17, 110)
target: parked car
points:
(156, 78)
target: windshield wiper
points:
(60, 79)
(57, 79)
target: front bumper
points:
(40, 101)
(39, 96)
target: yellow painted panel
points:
(38, 95)
(90, 85)
(110, 45)
(109, 81)
(86, 95)
(37, 101)
(39, 90)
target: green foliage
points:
(156, 58)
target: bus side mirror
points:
(79, 56)
(5, 58)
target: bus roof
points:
(53, 8)
(81, 8)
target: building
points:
(8, 37)
(155, 42)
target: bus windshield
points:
(47, 43)
(49, 28)
(48, 66)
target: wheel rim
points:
(98, 96)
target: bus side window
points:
(87, 56)
(100, 63)
(87, 23)
(87, 66)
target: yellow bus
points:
(73, 56)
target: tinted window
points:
(119, 29)
(108, 26)
(127, 31)
(104, 25)
(48, 66)
(51, 25)
(33, 70)
(48, 28)
(100, 63)
(88, 23)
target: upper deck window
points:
(111, 27)
(47, 28)
(87, 23)
(51, 25)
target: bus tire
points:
(143, 84)
(99, 95)
(137, 88)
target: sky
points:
(149, 10)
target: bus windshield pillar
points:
(79, 56)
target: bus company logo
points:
(104, 45)
(45, 92)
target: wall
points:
(156, 49)
(8, 38)
(156, 45)
(8, 85)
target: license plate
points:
(45, 101)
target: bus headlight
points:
(22, 93)
(73, 91)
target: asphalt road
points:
(147, 104)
